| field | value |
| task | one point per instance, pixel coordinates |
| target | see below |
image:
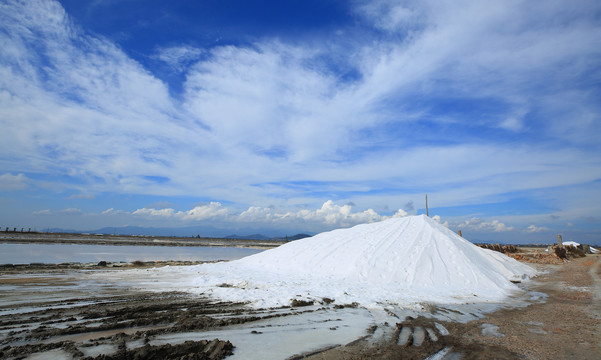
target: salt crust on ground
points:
(400, 261)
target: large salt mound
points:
(396, 261)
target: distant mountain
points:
(293, 237)
(190, 231)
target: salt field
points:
(63, 253)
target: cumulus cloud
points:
(439, 220)
(208, 211)
(13, 182)
(478, 224)
(329, 214)
(163, 213)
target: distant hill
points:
(293, 237)
(191, 231)
(263, 237)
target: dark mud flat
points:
(63, 314)
(120, 327)
(73, 313)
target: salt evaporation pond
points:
(393, 270)
(399, 261)
(61, 253)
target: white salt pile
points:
(575, 244)
(399, 261)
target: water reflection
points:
(60, 253)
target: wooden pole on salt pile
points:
(428, 215)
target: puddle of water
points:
(283, 337)
(491, 330)
(60, 253)
(93, 351)
(56, 354)
(273, 338)
(441, 329)
(404, 336)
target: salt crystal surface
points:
(398, 261)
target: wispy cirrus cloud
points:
(467, 98)
(179, 58)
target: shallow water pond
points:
(61, 253)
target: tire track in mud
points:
(123, 327)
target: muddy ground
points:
(111, 324)
(566, 325)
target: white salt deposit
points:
(400, 261)
(575, 244)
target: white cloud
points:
(213, 210)
(112, 211)
(535, 229)
(329, 214)
(13, 182)
(256, 121)
(438, 219)
(478, 224)
(71, 211)
(178, 57)
(389, 15)
(164, 213)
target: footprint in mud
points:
(491, 330)
(418, 334)
(536, 327)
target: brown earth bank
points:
(91, 239)
(566, 325)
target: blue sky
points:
(286, 116)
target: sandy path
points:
(595, 273)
